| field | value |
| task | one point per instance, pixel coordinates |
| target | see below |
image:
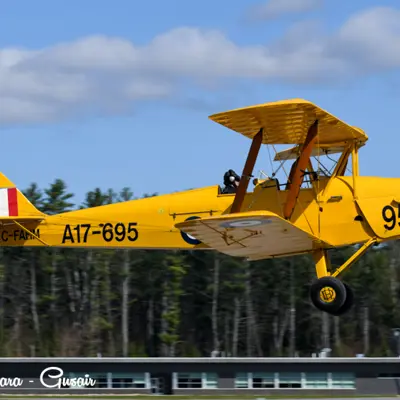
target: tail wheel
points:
(328, 294)
(348, 303)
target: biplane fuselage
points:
(334, 216)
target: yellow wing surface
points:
(287, 122)
(254, 235)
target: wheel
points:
(348, 303)
(328, 294)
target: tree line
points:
(142, 303)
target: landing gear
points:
(330, 295)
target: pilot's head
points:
(231, 178)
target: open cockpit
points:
(325, 162)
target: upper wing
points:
(287, 122)
(293, 152)
(255, 235)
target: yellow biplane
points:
(314, 210)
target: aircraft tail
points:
(14, 205)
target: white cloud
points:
(101, 74)
(371, 38)
(272, 9)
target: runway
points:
(138, 397)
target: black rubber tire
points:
(348, 303)
(328, 294)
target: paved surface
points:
(255, 397)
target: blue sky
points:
(113, 94)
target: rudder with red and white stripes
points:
(9, 202)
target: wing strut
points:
(247, 171)
(298, 173)
(30, 233)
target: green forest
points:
(135, 303)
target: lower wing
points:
(254, 235)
